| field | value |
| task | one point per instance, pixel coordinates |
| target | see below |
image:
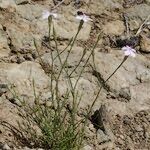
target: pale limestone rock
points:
(134, 76)
(6, 147)
(22, 77)
(66, 28)
(29, 12)
(20, 39)
(136, 15)
(145, 44)
(114, 28)
(4, 48)
(18, 2)
(87, 147)
(5, 4)
(101, 6)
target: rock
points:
(20, 40)
(144, 76)
(134, 24)
(101, 137)
(137, 12)
(136, 15)
(119, 80)
(6, 147)
(3, 88)
(26, 148)
(5, 4)
(138, 128)
(147, 2)
(74, 57)
(127, 77)
(4, 48)
(34, 11)
(139, 100)
(113, 4)
(87, 147)
(84, 84)
(96, 8)
(125, 93)
(66, 27)
(114, 28)
(99, 7)
(21, 76)
(145, 44)
(18, 2)
(89, 92)
(73, 60)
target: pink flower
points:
(128, 51)
(82, 16)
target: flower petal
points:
(79, 17)
(124, 48)
(83, 17)
(132, 54)
(128, 51)
(45, 14)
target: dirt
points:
(126, 97)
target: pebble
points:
(5, 147)
(19, 2)
(145, 44)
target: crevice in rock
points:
(99, 118)
(100, 80)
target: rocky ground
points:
(126, 98)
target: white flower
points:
(128, 51)
(83, 17)
(46, 14)
(148, 23)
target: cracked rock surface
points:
(126, 96)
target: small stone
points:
(26, 148)
(120, 141)
(138, 128)
(21, 41)
(134, 24)
(66, 28)
(114, 28)
(144, 76)
(18, 2)
(7, 4)
(3, 88)
(6, 147)
(22, 75)
(4, 48)
(34, 11)
(145, 44)
(147, 2)
(101, 137)
(125, 93)
(87, 147)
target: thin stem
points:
(125, 58)
(57, 5)
(84, 52)
(127, 26)
(64, 49)
(92, 52)
(52, 64)
(140, 28)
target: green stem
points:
(125, 58)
